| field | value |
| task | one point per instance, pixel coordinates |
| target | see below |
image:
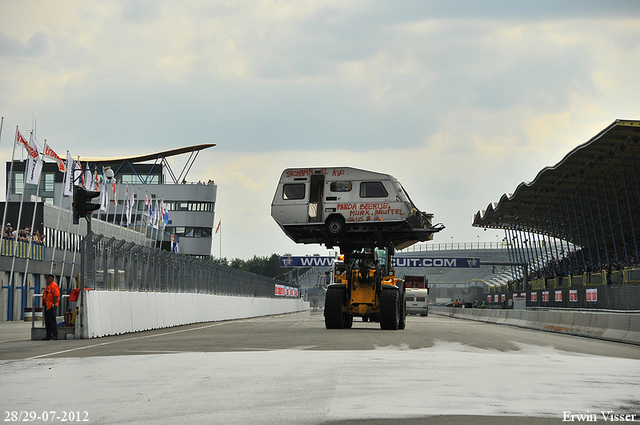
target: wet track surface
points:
(289, 369)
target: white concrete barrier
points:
(622, 327)
(112, 312)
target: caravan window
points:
(293, 191)
(340, 187)
(372, 190)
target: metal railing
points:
(117, 265)
(454, 246)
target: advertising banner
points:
(286, 291)
(297, 261)
(558, 296)
(573, 295)
(306, 261)
(436, 262)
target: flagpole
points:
(75, 250)
(124, 218)
(104, 200)
(55, 245)
(115, 206)
(147, 216)
(115, 210)
(15, 240)
(6, 203)
(70, 170)
(33, 217)
(135, 217)
(106, 216)
(122, 214)
(156, 225)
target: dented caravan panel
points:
(347, 206)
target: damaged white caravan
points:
(348, 207)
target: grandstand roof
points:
(599, 175)
(159, 157)
(151, 156)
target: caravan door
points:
(316, 191)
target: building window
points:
(49, 182)
(18, 183)
(135, 179)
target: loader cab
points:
(385, 257)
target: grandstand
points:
(587, 207)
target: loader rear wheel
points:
(389, 310)
(348, 321)
(403, 311)
(333, 315)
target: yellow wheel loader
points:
(366, 286)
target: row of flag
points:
(74, 176)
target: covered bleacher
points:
(577, 223)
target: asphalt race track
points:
(290, 370)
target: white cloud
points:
(460, 103)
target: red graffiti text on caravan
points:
(369, 211)
(306, 172)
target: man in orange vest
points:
(50, 299)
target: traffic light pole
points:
(83, 207)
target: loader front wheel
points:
(333, 315)
(389, 310)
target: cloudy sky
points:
(461, 101)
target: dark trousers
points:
(50, 323)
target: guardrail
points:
(611, 326)
(22, 250)
(118, 265)
(453, 246)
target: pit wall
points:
(113, 312)
(620, 327)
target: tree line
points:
(268, 266)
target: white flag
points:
(104, 196)
(68, 177)
(127, 204)
(51, 154)
(88, 178)
(34, 164)
(78, 177)
(156, 215)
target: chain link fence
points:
(118, 265)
